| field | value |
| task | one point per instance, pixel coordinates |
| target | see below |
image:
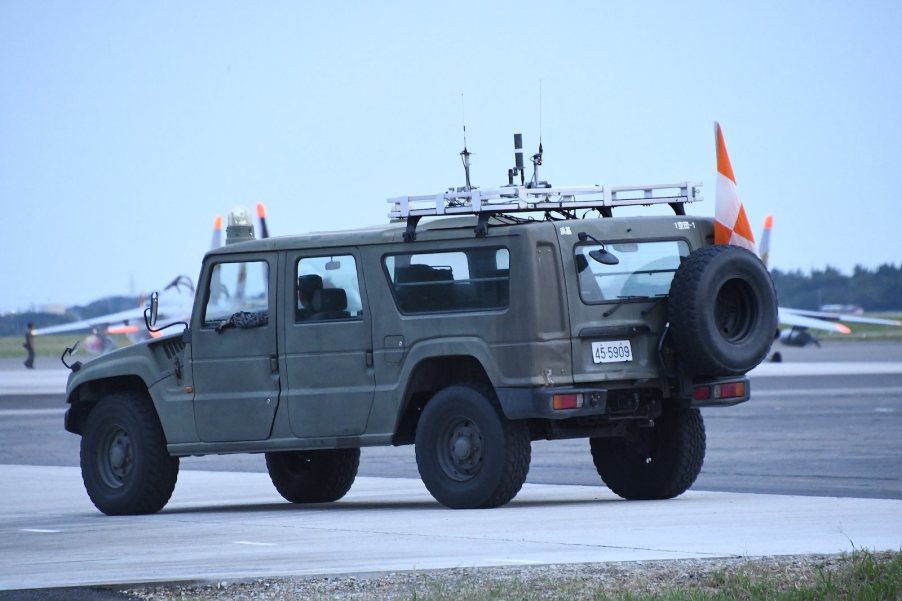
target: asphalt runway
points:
(812, 464)
(833, 432)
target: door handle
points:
(274, 364)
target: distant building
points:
(53, 309)
(848, 309)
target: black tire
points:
(660, 462)
(722, 311)
(124, 464)
(469, 455)
(321, 476)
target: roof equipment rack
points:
(534, 196)
(522, 199)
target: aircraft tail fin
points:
(216, 242)
(731, 225)
(261, 215)
(764, 249)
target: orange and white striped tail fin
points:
(731, 225)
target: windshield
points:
(645, 270)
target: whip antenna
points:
(465, 154)
(537, 158)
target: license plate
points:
(614, 351)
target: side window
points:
(474, 279)
(327, 289)
(236, 287)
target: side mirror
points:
(150, 313)
(68, 353)
(603, 256)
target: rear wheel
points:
(321, 476)
(660, 462)
(468, 454)
(124, 464)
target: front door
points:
(234, 352)
(327, 347)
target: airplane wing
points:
(796, 320)
(122, 317)
(833, 317)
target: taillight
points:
(730, 390)
(567, 401)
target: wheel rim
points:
(734, 310)
(116, 458)
(459, 449)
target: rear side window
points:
(327, 289)
(466, 280)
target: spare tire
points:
(722, 311)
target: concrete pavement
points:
(228, 525)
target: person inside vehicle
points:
(307, 287)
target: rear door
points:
(617, 310)
(327, 348)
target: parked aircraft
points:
(176, 302)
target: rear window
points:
(465, 280)
(645, 270)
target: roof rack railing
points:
(520, 199)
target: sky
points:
(127, 127)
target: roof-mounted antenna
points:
(537, 158)
(465, 154)
(518, 161)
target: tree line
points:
(873, 290)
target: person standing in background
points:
(29, 346)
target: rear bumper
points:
(538, 403)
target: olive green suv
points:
(474, 323)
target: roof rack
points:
(520, 199)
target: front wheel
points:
(124, 464)
(321, 476)
(660, 462)
(468, 454)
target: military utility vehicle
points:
(474, 323)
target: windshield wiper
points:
(623, 300)
(631, 297)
